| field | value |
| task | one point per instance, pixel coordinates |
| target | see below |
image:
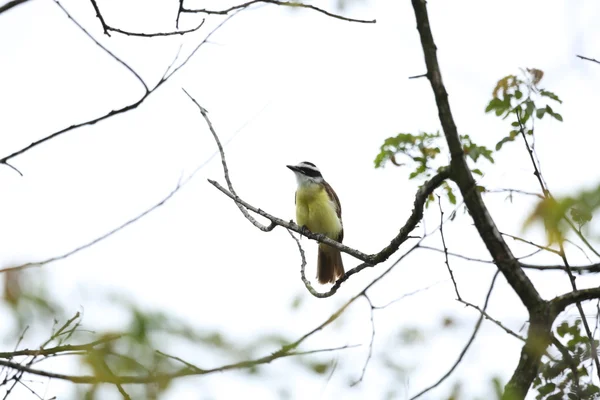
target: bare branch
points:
(279, 3)
(369, 260)
(120, 110)
(108, 28)
(495, 321)
(152, 378)
(469, 342)
(540, 324)
(60, 349)
(364, 369)
(100, 238)
(559, 303)
(588, 59)
(511, 191)
(204, 113)
(11, 4)
(156, 34)
(110, 53)
(446, 249)
(539, 246)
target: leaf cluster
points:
(516, 97)
(567, 377)
(554, 213)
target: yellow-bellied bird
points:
(318, 209)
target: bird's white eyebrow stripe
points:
(308, 166)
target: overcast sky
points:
(282, 86)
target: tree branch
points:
(589, 59)
(540, 324)
(461, 174)
(559, 303)
(153, 378)
(11, 4)
(467, 345)
(130, 107)
(108, 28)
(279, 3)
(369, 260)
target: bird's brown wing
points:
(338, 207)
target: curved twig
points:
(469, 342)
(279, 3)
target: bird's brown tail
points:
(329, 264)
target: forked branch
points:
(369, 260)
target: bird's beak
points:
(292, 167)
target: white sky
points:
(303, 87)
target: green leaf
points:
(550, 95)
(450, 193)
(515, 124)
(518, 94)
(539, 113)
(477, 171)
(546, 389)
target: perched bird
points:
(318, 209)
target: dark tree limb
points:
(11, 4)
(108, 28)
(559, 303)
(461, 174)
(540, 322)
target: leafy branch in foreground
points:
(420, 152)
(516, 96)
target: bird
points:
(318, 210)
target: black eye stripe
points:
(310, 172)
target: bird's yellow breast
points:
(316, 211)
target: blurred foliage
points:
(135, 349)
(554, 213)
(567, 377)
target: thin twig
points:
(110, 53)
(539, 246)
(122, 110)
(369, 260)
(152, 378)
(588, 59)
(495, 321)
(466, 347)
(364, 369)
(279, 3)
(446, 249)
(100, 238)
(244, 211)
(562, 253)
(11, 4)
